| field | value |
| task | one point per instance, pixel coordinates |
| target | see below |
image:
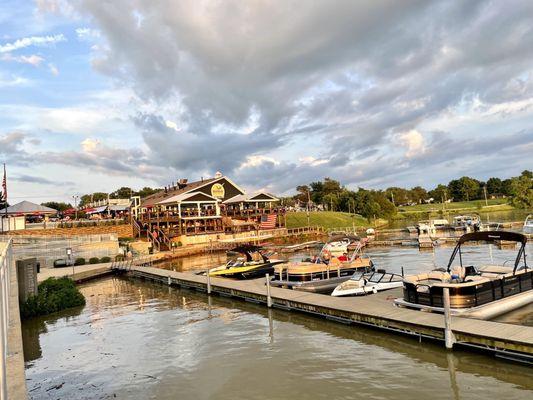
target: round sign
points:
(217, 190)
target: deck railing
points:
(6, 261)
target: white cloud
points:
(414, 143)
(53, 69)
(87, 33)
(172, 125)
(32, 41)
(89, 145)
(312, 161)
(33, 59)
(257, 160)
(13, 81)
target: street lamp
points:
(76, 197)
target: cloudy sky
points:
(97, 94)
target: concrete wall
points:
(49, 248)
(214, 237)
(119, 230)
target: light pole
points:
(485, 191)
(76, 197)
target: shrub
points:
(93, 260)
(79, 261)
(55, 294)
(119, 257)
(105, 259)
(180, 244)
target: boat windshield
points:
(376, 277)
(357, 275)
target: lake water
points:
(138, 340)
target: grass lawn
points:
(478, 205)
(327, 219)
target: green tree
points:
(400, 195)
(494, 186)
(88, 198)
(59, 206)
(146, 191)
(522, 191)
(418, 194)
(464, 188)
(440, 193)
(122, 193)
(303, 193)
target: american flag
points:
(4, 187)
(268, 221)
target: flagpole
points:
(4, 182)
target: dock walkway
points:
(504, 340)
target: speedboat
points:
(480, 292)
(254, 265)
(362, 283)
(528, 225)
(320, 275)
(339, 245)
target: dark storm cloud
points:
(351, 74)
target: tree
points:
(522, 191)
(122, 193)
(440, 193)
(59, 206)
(464, 188)
(317, 192)
(303, 193)
(494, 186)
(418, 194)
(400, 195)
(145, 192)
(88, 198)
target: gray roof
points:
(27, 207)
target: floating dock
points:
(513, 342)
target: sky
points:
(99, 94)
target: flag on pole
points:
(4, 187)
(268, 221)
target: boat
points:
(363, 283)
(255, 264)
(528, 225)
(480, 292)
(338, 245)
(320, 275)
(467, 223)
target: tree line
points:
(331, 195)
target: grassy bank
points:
(476, 205)
(328, 219)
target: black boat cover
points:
(491, 236)
(247, 249)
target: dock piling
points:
(269, 297)
(449, 338)
(208, 282)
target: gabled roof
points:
(263, 196)
(27, 207)
(186, 196)
(162, 196)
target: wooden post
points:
(169, 280)
(269, 297)
(449, 338)
(208, 282)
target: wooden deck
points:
(504, 340)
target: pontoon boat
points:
(528, 225)
(320, 276)
(479, 292)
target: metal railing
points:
(6, 260)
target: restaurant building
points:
(214, 206)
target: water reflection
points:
(139, 340)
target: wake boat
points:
(320, 276)
(254, 265)
(480, 292)
(528, 225)
(363, 283)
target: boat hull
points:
(323, 286)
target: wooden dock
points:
(514, 342)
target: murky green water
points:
(136, 340)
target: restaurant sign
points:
(217, 191)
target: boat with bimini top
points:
(320, 275)
(477, 291)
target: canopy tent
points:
(117, 207)
(28, 208)
(96, 210)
